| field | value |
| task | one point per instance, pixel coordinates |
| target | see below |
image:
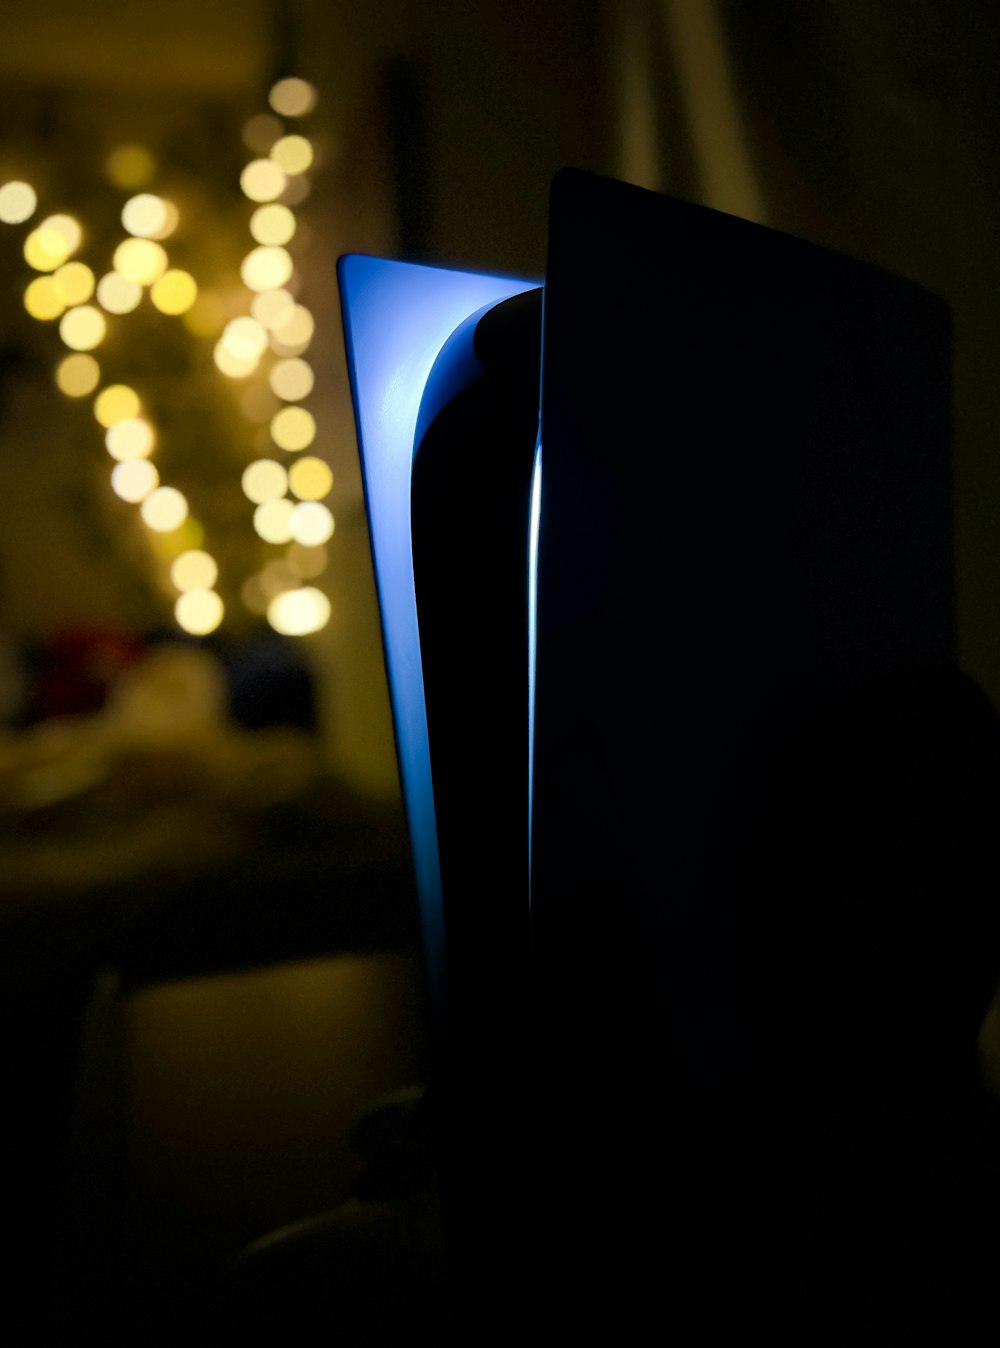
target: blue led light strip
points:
(397, 317)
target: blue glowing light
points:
(534, 520)
(397, 317)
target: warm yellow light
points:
(312, 523)
(264, 480)
(273, 521)
(272, 224)
(17, 202)
(261, 131)
(292, 97)
(293, 334)
(262, 180)
(293, 428)
(199, 612)
(82, 328)
(194, 570)
(272, 308)
(266, 268)
(310, 479)
(293, 154)
(307, 562)
(174, 292)
(296, 613)
(165, 509)
(116, 403)
(75, 282)
(43, 300)
(45, 249)
(131, 438)
(117, 293)
(244, 338)
(130, 166)
(78, 375)
(189, 534)
(236, 367)
(134, 480)
(291, 379)
(141, 260)
(149, 217)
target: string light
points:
(293, 428)
(297, 613)
(310, 479)
(43, 300)
(311, 523)
(75, 282)
(273, 224)
(194, 570)
(292, 154)
(291, 379)
(78, 375)
(273, 521)
(82, 328)
(115, 403)
(134, 480)
(165, 509)
(141, 260)
(175, 292)
(17, 202)
(118, 294)
(292, 97)
(199, 612)
(262, 180)
(264, 480)
(130, 438)
(266, 268)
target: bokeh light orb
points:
(130, 438)
(297, 613)
(78, 375)
(165, 509)
(43, 300)
(141, 260)
(293, 428)
(149, 217)
(134, 480)
(272, 521)
(115, 403)
(75, 282)
(199, 612)
(175, 292)
(117, 293)
(310, 479)
(291, 379)
(18, 201)
(262, 180)
(292, 154)
(312, 523)
(292, 97)
(130, 166)
(194, 570)
(83, 327)
(266, 268)
(273, 224)
(264, 480)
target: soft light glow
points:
(149, 217)
(117, 293)
(291, 379)
(273, 521)
(235, 367)
(312, 523)
(130, 166)
(142, 260)
(266, 268)
(264, 480)
(43, 300)
(174, 292)
(45, 249)
(272, 308)
(199, 612)
(272, 224)
(397, 317)
(83, 328)
(75, 282)
(297, 613)
(115, 403)
(17, 202)
(78, 375)
(292, 97)
(134, 480)
(261, 131)
(310, 479)
(165, 509)
(194, 570)
(293, 428)
(262, 180)
(189, 534)
(131, 438)
(244, 338)
(297, 191)
(307, 562)
(292, 335)
(293, 154)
